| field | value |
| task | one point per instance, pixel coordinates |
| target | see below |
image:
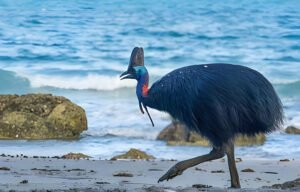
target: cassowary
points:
(218, 101)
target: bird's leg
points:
(179, 167)
(229, 150)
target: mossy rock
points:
(133, 154)
(172, 132)
(75, 156)
(76, 118)
(40, 116)
(292, 130)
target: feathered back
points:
(218, 101)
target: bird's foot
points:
(173, 172)
(235, 185)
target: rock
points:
(199, 186)
(284, 160)
(24, 181)
(218, 171)
(133, 154)
(199, 169)
(292, 130)
(295, 185)
(244, 140)
(248, 170)
(40, 116)
(174, 132)
(123, 175)
(75, 156)
(4, 168)
(271, 172)
(178, 134)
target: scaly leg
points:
(179, 167)
(229, 149)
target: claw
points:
(164, 177)
(170, 174)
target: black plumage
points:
(218, 101)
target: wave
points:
(122, 132)
(112, 81)
(102, 81)
(284, 81)
(10, 82)
(91, 81)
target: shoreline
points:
(43, 173)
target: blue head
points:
(137, 70)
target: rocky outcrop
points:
(293, 185)
(292, 130)
(174, 132)
(75, 156)
(40, 116)
(178, 134)
(133, 154)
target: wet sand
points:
(27, 174)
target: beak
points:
(127, 75)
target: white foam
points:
(283, 81)
(91, 81)
(295, 121)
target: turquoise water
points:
(78, 49)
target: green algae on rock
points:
(178, 134)
(133, 154)
(40, 116)
(75, 156)
(292, 130)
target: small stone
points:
(270, 172)
(284, 160)
(248, 170)
(218, 171)
(24, 181)
(155, 170)
(201, 186)
(133, 154)
(199, 169)
(123, 175)
(4, 168)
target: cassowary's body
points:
(218, 101)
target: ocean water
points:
(78, 49)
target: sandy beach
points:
(54, 174)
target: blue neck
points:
(142, 86)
